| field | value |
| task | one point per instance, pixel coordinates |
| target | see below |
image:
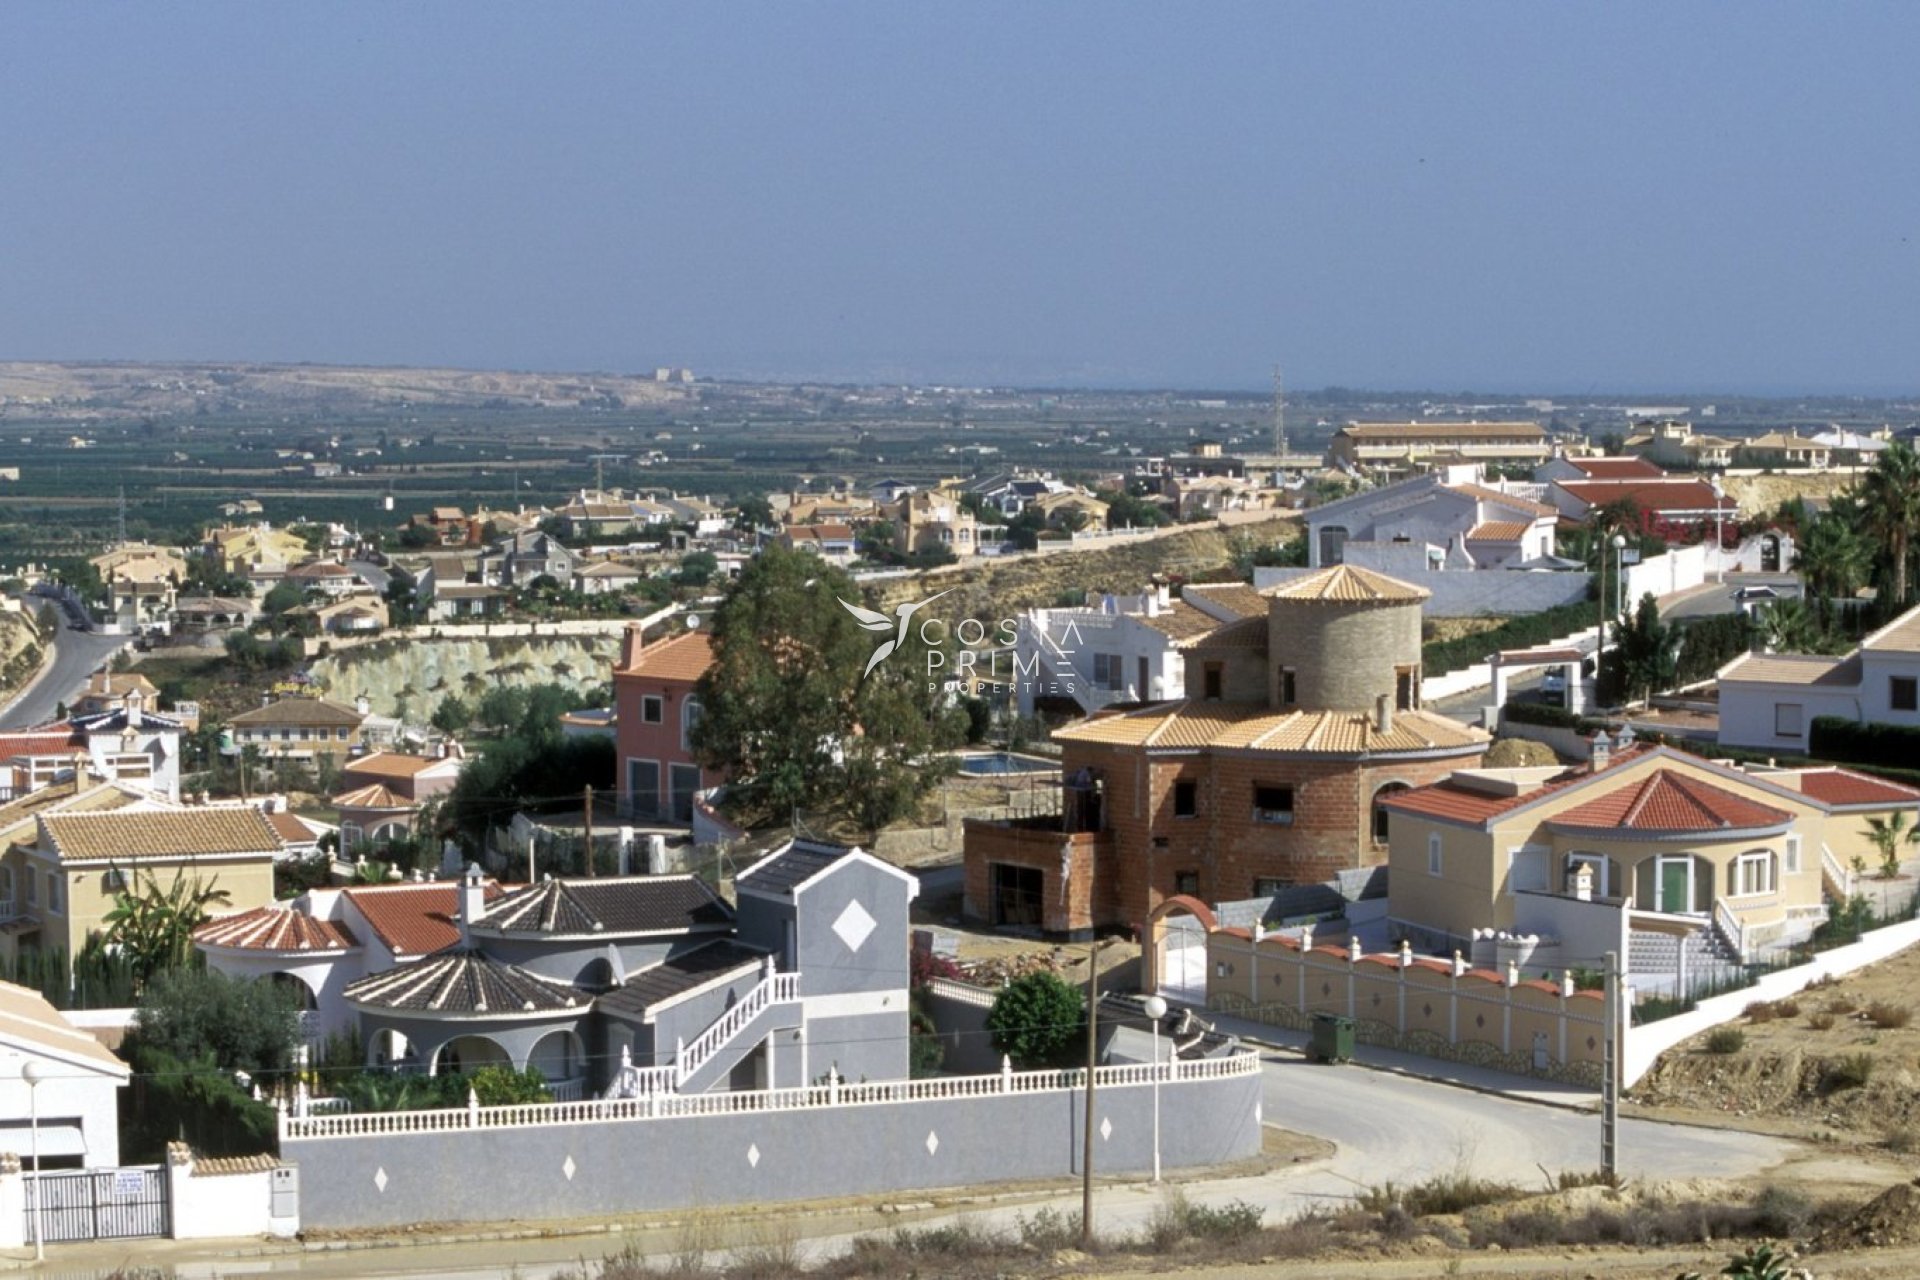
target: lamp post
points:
(1155, 1007)
(1619, 575)
(1719, 538)
(33, 1073)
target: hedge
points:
(1552, 717)
(1527, 631)
(1837, 738)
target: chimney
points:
(631, 644)
(1602, 750)
(1383, 714)
(363, 705)
(473, 901)
(133, 709)
(266, 699)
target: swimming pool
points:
(983, 763)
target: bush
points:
(1821, 1021)
(242, 1025)
(1887, 1016)
(189, 1099)
(1038, 1021)
(1850, 1072)
(1453, 1192)
(1725, 1040)
(1524, 632)
(1842, 1004)
(1850, 742)
(1760, 1011)
(1782, 1211)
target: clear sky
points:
(1630, 197)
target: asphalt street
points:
(76, 655)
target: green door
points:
(1676, 886)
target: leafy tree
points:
(154, 927)
(1038, 1021)
(1832, 556)
(792, 713)
(248, 1025)
(1131, 511)
(453, 715)
(526, 771)
(926, 1052)
(755, 513)
(876, 540)
(1647, 653)
(1888, 835)
(1889, 504)
(696, 569)
(403, 606)
(418, 537)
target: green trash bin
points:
(1332, 1038)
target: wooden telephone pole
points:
(587, 809)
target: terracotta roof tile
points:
(1793, 668)
(1235, 597)
(375, 795)
(1498, 531)
(1179, 726)
(389, 764)
(1656, 496)
(275, 928)
(160, 833)
(1348, 584)
(1455, 802)
(1241, 633)
(685, 657)
(1668, 801)
(292, 828)
(45, 742)
(1617, 468)
(1482, 493)
(413, 919)
(1180, 622)
(1845, 787)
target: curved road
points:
(76, 655)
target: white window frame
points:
(1767, 879)
(1436, 856)
(1603, 885)
(1799, 717)
(1790, 864)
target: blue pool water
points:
(994, 762)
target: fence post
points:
(473, 1108)
(1006, 1073)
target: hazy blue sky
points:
(1627, 196)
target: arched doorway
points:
(299, 991)
(1173, 949)
(558, 1056)
(1770, 553)
(469, 1053)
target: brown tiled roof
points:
(1180, 621)
(625, 904)
(388, 764)
(1498, 531)
(1845, 787)
(1617, 468)
(41, 742)
(1236, 596)
(1439, 430)
(1793, 668)
(1902, 635)
(313, 712)
(1656, 496)
(160, 833)
(229, 1166)
(1482, 493)
(413, 919)
(1348, 584)
(1241, 633)
(1667, 801)
(819, 533)
(462, 982)
(685, 657)
(292, 828)
(375, 795)
(1455, 802)
(274, 928)
(1177, 726)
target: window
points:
(689, 717)
(1287, 695)
(1382, 827)
(1273, 804)
(1267, 886)
(1187, 882)
(1186, 798)
(643, 787)
(1753, 873)
(1107, 671)
(1333, 545)
(1435, 859)
(1786, 720)
(1792, 860)
(1601, 867)
(684, 782)
(1406, 684)
(53, 891)
(1213, 678)
(1903, 693)
(651, 709)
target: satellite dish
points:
(693, 622)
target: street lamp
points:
(33, 1073)
(1155, 1007)
(1619, 575)
(1719, 538)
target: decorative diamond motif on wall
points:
(380, 1180)
(568, 1168)
(854, 926)
(933, 1142)
(1258, 1111)
(753, 1155)
(1106, 1128)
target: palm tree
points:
(1831, 556)
(1887, 835)
(153, 927)
(1789, 626)
(1889, 498)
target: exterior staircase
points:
(772, 1005)
(1654, 959)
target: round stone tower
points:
(1342, 639)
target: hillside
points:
(992, 588)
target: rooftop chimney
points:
(363, 705)
(473, 901)
(1602, 750)
(631, 644)
(133, 709)
(1383, 714)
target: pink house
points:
(654, 712)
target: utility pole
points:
(1610, 1079)
(1279, 425)
(587, 809)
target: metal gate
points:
(99, 1204)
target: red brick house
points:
(654, 713)
(1267, 773)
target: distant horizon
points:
(926, 382)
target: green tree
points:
(755, 513)
(1038, 1021)
(696, 569)
(792, 713)
(1889, 505)
(1889, 835)
(453, 715)
(248, 1024)
(1648, 652)
(154, 927)
(1832, 556)
(1131, 511)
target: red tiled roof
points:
(1669, 801)
(685, 657)
(1498, 531)
(1617, 468)
(43, 742)
(1656, 496)
(375, 795)
(1843, 786)
(274, 928)
(291, 828)
(1514, 501)
(1456, 803)
(414, 919)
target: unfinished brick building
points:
(1297, 717)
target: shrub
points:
(1229, 1222)
(1760, 1011)
(1453, 1192)
(1821, 1022)
(1048, 1230)
(1898, 1139)
(924, 966)
(1850, 1072)
(245, 1026)
(1725, 1040)
(1841, 1005)
(1787, 1008)
(1038, 1020)
(1887, 1016)
(1782, 1211)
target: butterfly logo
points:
(872, 620)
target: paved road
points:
(1716, 598)
(76, 655)
(375, 576)
(1385, 1126)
